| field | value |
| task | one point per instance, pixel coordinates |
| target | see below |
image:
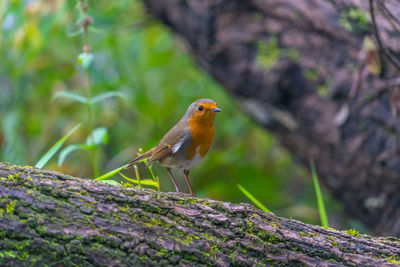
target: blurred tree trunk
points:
(305, 70)
(49, 218)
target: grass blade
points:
(53, 150)
(111, 173)
(320, 200)
(253, 199)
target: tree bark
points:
(351, 130)
(52, 218)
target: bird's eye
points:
(200, 108)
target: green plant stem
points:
(90, 126)
(89, 103)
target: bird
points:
(185, 144)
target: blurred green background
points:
(140, 57)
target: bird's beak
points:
(216, 110)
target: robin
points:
(187, 142)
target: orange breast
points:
(202, 133)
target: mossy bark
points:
(300, 68)
(52, 218)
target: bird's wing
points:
(170, 143)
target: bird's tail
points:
(139, 158)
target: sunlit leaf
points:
(106, 95)
(98, 137)
(68, 150)
(70, 95)
(49, 154)
(111, 173)
(111, 182)
(253, 199)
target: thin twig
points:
(385, 51)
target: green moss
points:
(334, 243)
(23, 255)
(249, 227)
(10, 207)
(1, 213)
(394, 259)
(214, 250)
(163, 252)
(21, 245)
(309, 234)
(10, 253)
(352, 232)
(273, 239)
(3, 233)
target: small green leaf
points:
(320, 200)
(85, 60)
(68, 150)
(253, 199)
(111, 173)
(49, 154)
(111, 182)
(106, 95)
(98, 137)
(72, 96)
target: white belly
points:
(179, 161)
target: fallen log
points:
(49, 218)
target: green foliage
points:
(321, 206)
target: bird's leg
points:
(186, 174)
(173, 180)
